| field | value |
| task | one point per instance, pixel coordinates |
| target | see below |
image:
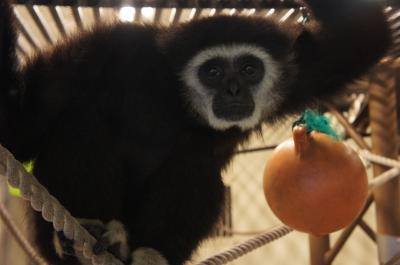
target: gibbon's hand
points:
(351, 36)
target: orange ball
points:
(314, 183)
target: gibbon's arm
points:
(352, 36)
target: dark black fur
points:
(8, 71)
(104, 117)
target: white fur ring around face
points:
(148, 256)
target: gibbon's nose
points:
(233, 89)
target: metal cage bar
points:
(96, 14)
(39, 24)
(57, 20)
(26, 34)
(77, 17)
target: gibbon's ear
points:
(8, 60)
(350, 36)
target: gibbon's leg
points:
(148, 256)
(114, 239)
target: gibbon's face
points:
(232, 85)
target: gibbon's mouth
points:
(233, 112)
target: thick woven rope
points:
(248, 246)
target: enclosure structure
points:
(43, 23)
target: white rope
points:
(377, 159)
(384, 178)
(52, 211)
(248, 246)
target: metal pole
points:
(383, 117)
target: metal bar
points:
(261, 12)
(361, 120)
(39, 23)
(57, 20)
(228, 221)
(258, 149)
(26, 34)
(177, 17)
(96, 14)
(168, 3)
(240, 11)
(197, 13)
(368, 230)
(157, 16)
(77, 17)
(383, 118)
(319, 245)
(218, 11)
(358, 139)
(138, 15)
(287, 14)
(394, 261)
(332, 253)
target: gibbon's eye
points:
(249, 70)
(214, 72)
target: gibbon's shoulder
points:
(118, 40)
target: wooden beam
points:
(319, 246)
(383, 118)
(368, 230)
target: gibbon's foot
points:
(148, 256)
(113, 238)
(63, 245)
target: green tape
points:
(15, 191)
(315, 121)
